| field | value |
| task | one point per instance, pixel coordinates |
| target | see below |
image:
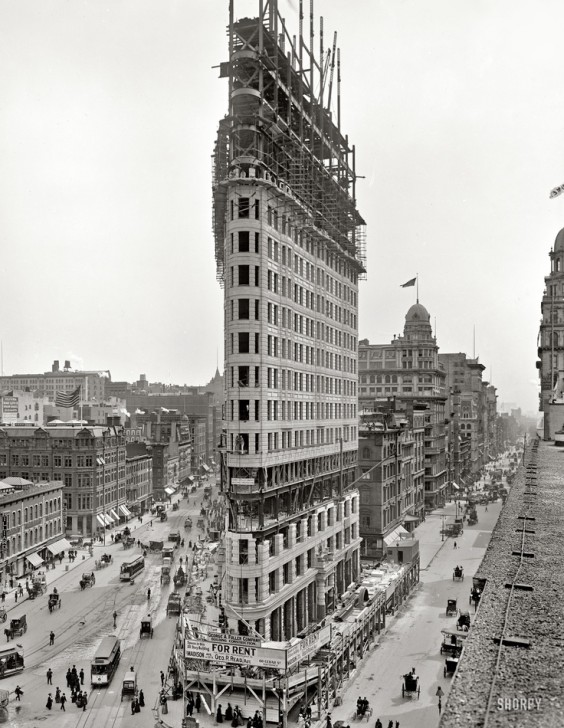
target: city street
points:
(85, 618)
(413, 637)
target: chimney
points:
(55, 367)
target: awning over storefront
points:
(109, 519)
(114, 515)
(206, 468)
(190, 478)
(410, 519)
(35, 560)
(456, 487)
(101, 520)
(61, 545)
(395, 535)
(125, 511)
(169, 491)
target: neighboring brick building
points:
(89, 461)
(32, 529)
(391, 458)
(139, 477)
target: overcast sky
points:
(108, 115)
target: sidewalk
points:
(429, 534)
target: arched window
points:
(557, 265)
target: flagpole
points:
(417, 284)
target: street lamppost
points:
(443, 527)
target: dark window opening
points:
(243, 308)
(243, 380)
(243, 342)
(243, 275)
(244, 241)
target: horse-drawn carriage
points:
(163, 516)
(452, 643)
(146, 629)
(36, 589)
(175, 537)
(165, 574)
(188, 523)
(451, 608)
(201, 523)
(180, 577)
(17, 628)
(463, 622)
(458, 573)
(174, 605)
(175, 506)
(451, 663)
(129, 685)
(475, 596)
(410, 687)
(128, 542)
(88, 579)
(54, 601)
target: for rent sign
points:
(238, 654)
(307, 647)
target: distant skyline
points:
(107, 123)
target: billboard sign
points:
(307, 647)
(231, 653)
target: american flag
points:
(65, 399)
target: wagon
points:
(410, 687)
(129, 685)
(106, 558)
(175, 506)
(146, 629)
(36, 589)
(163, 516)
(458, 573)
(18, 627)
(451, 608)
(175, 537)
(165, 574)
(128, 542)
(463, 622)
(174, 605)
(180, 577)
(87, 580)
(451, 663)
(452, 643)
(201, 523)
(54, 602)
(188, 523)
(475, 596)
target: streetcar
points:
(131, 568)
(106, 661)
(11, 660)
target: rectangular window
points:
(243, 207)
(243, 342)
(243, 275)
(257, 344)
(243, 308)
(244, 241)
(257, 275)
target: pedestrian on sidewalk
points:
(455, 546)
(440, 706)
(63, 701)
(162, 678)
(141, 699)
(3, 597)
(57, 695)
(16, 596)
(19, 692)
(115, 618)
(49, 704)
(49, 676)
(81, 673)
(51, 638)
